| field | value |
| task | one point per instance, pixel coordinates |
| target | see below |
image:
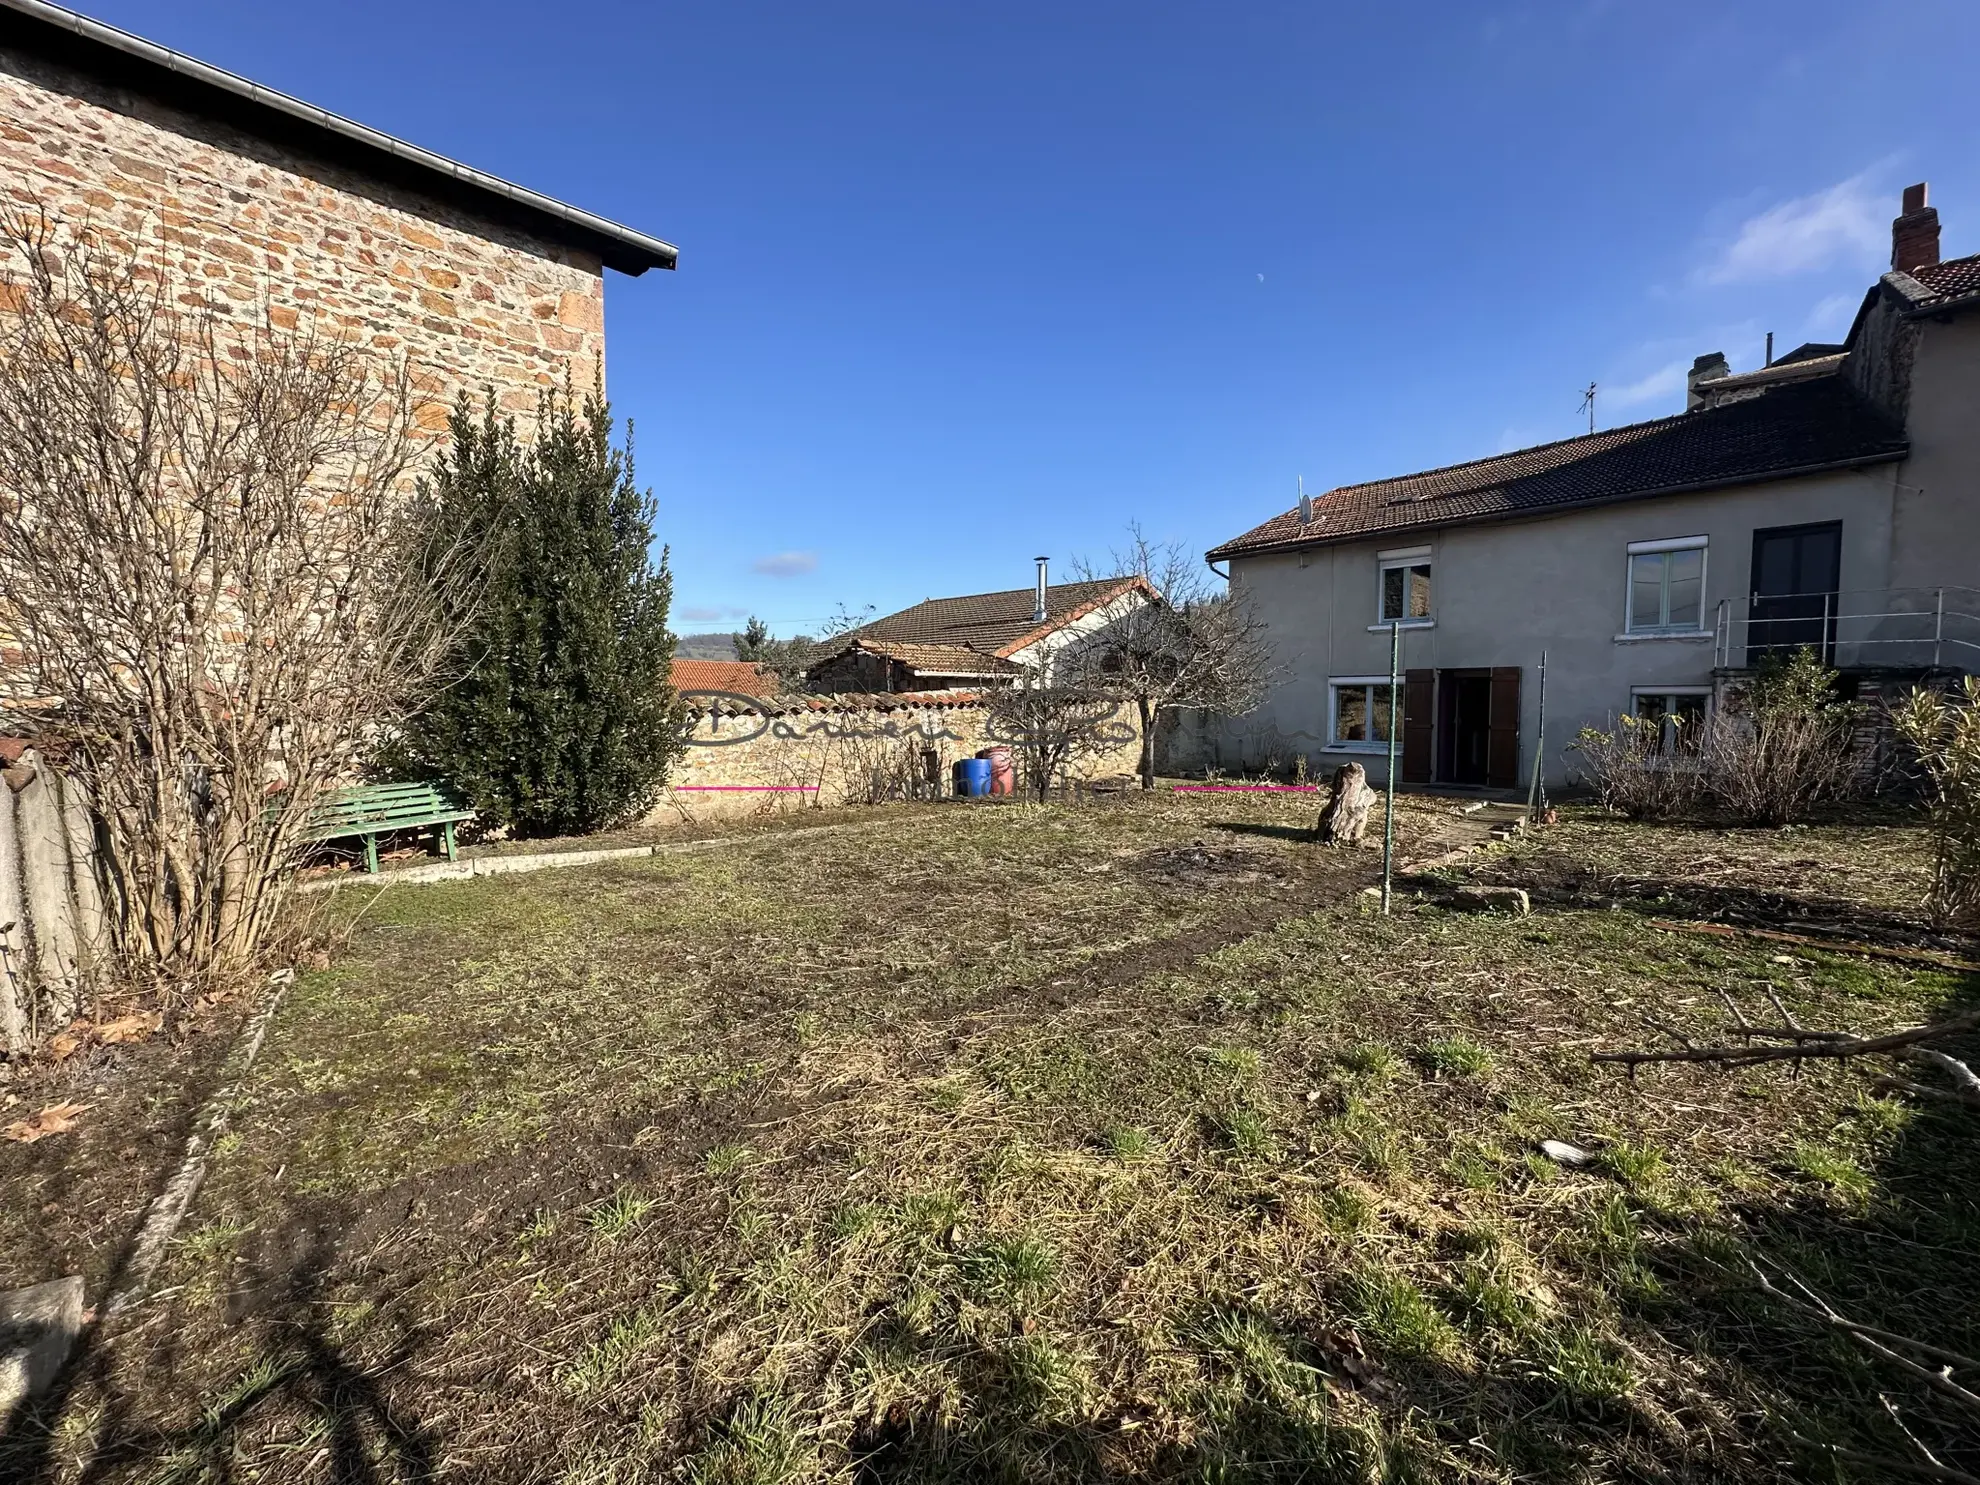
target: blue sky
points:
(961, 284)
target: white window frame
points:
(1335, 743)
(1636, 692)
(1404, 557)
(1700, 544)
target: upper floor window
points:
(1405, 586)
(1667, 586)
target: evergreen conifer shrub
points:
(557, 716)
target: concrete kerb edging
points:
(495, 866)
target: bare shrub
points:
(1051, 729)
(1944, 735)
(1787, 748)
(210, 581)
(1639, 770)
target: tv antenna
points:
(1588, 405)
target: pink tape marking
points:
(1246, 788)
(745, 788)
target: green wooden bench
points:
(373, 810)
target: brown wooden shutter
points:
(1419, 707)
(1502, 753)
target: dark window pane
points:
(1419, 593)
(1392, 593)
(1351, 714)
(1646, 590)
(1687, 588)
(1378, 722)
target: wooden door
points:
(1502, 757)
(1419, 711)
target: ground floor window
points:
(1678, 713)
(1361, 710)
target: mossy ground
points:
(1051, 1144)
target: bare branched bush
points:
(210, 582)
(1639, 770)
(1051, 729)
(1787, 746)
(1944, 736)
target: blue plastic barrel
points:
(972, 777)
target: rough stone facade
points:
(256, 229)
(844, 749)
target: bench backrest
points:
(371, 804)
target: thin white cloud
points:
(1829, 320)
(786, 564)
(1844, 222)
(709, 613)
(1665, 381)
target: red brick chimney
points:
(1915, 234)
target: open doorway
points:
(1467, 726)
(1477, 732)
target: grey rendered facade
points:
(1843, 485)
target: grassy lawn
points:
(1028, 1143)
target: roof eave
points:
(1231, 550)
(618, 246)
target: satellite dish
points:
(1306, 510)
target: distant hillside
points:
(705, 646)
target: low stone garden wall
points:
(750, 756)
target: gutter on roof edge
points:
(1225, 554)
(657, 252)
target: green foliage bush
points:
(1945, 736)
(558, 717)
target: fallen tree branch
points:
(1801, 1045)
(1885, 1462)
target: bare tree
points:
(1050, 728)
(210, 577)
(787, 660)
(1190, 644)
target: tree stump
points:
(1345, 818)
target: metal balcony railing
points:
(1900, 627)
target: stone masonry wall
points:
(828, 750)
(256, 229)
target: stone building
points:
(262, 204)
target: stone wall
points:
(256, 229)
(761, 758)
(51, 905)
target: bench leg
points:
(449, 829)
(371, 854)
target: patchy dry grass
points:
(997, 1145)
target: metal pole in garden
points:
(1536, 798)
(1395, 717)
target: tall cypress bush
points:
(558, 717)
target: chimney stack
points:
(1038, 611)
(1708, 368)
(1915, 233)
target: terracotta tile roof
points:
(1953, 279)
(993, 623)
(1792, 429)
(739, 676)
(846, 701)
(939, 659)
